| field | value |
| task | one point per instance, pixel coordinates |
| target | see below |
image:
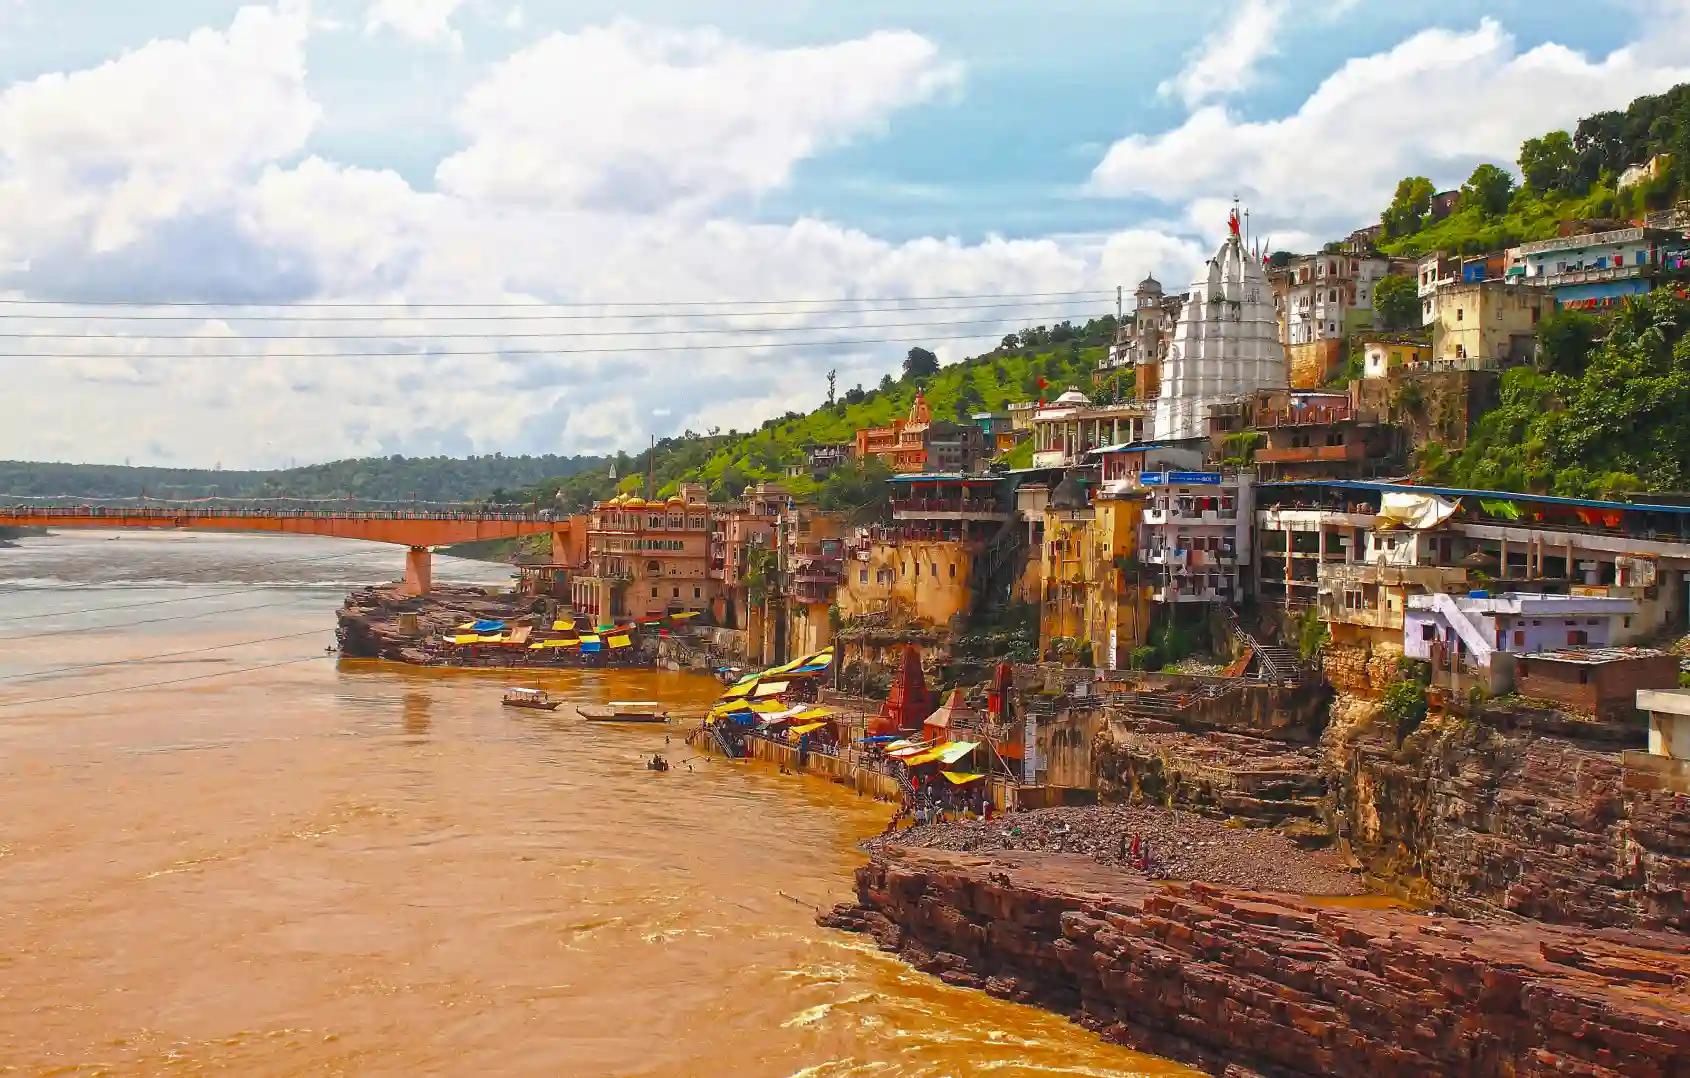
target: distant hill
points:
(393, 478)
(1063, 355)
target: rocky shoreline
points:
(381, 622)
(1245, 982)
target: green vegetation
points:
(1597, 419)
(1396, 302)
(1566, 177)
(392, 478)
(1312, 634)
(1060, 356)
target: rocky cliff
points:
(1242, 983)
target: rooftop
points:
(1595, 656)
(1465, 492)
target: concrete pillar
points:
(419, 571)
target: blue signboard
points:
(1178, 478)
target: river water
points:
(222, 850)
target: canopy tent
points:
(606, 627)
(591, 644)
(770, 707)
(469, 638)
(682, 615)
(620, 642)
(561, 626)
(878, 739)
(1416, 511)
(948, 752)
(806, 714)
(770, 688)
(742, 689)
(488, 625)
(960, 778)
(807, 727)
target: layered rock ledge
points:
(1252, 983)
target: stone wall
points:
(1242, 983)
(1359, 670)
(1481, 818)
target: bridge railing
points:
(177, 513)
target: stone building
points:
(646, 559)
(1226, 344)
(1142, 344)
(918, 443)
(1486, 325)
(1071, 426)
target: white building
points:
(1226, 345)
(1327, 295)
(1196, 534)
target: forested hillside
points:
(1561, 176)
(379, 478)
(1063, 355)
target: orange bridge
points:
(418, 531)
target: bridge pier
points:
(419, 571)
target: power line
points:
(611, 350)
(710, 330)
(159, 684)
(532, 304)
(627, 316)
(50, 671)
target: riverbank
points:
(1247, 982)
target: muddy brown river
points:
(223, 851)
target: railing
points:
(161, 513)
(1597, 273)
(985, 507)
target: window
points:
(695, 594)
(933, 570)
(953, 570)
(1519, 638)
(677, 593)
(862, 576)
(654, 591)
(1628, 623)
(1428, 632)
(1460, 314)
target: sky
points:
(254, 235)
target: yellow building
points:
(816, 567)
(1386, 354)
(924, 580)
(1088, 567)
(1487, 324)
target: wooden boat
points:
(538, 699)
(625, 711)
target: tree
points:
(1408, 208)
(1488, 190)
(832, 386)
(855, 394)
(1010, 342)
(886, 383)
(1396, 302)
(1547, 163)
(920, 365)
(858, 488)
(1564, 340)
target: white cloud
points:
(1226, 61)
(425, 22)
(168, 127)
(646, 118)
(1438, 104)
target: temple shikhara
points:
(1226, 345)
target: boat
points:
(625, 711)
(537, 699)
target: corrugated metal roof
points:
(1464, 492)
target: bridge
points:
(418, 531)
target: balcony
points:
(1312, 454)
(1311, 416)
(949, 509)
(1597, 274)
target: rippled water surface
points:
(274, 862)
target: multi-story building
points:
(1522, 541)
(1487, 325)
(1437, 270)
(997, 432)
(823, 459)
(1328, 296)
(1071, 426)
(918, 444)
(1092, 584)
(1195, 539)
(739, 532)
(1601, 268)
(1306, 435)
(647, 559)
(815, 572)
(1141, 344)
(1475, 639)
